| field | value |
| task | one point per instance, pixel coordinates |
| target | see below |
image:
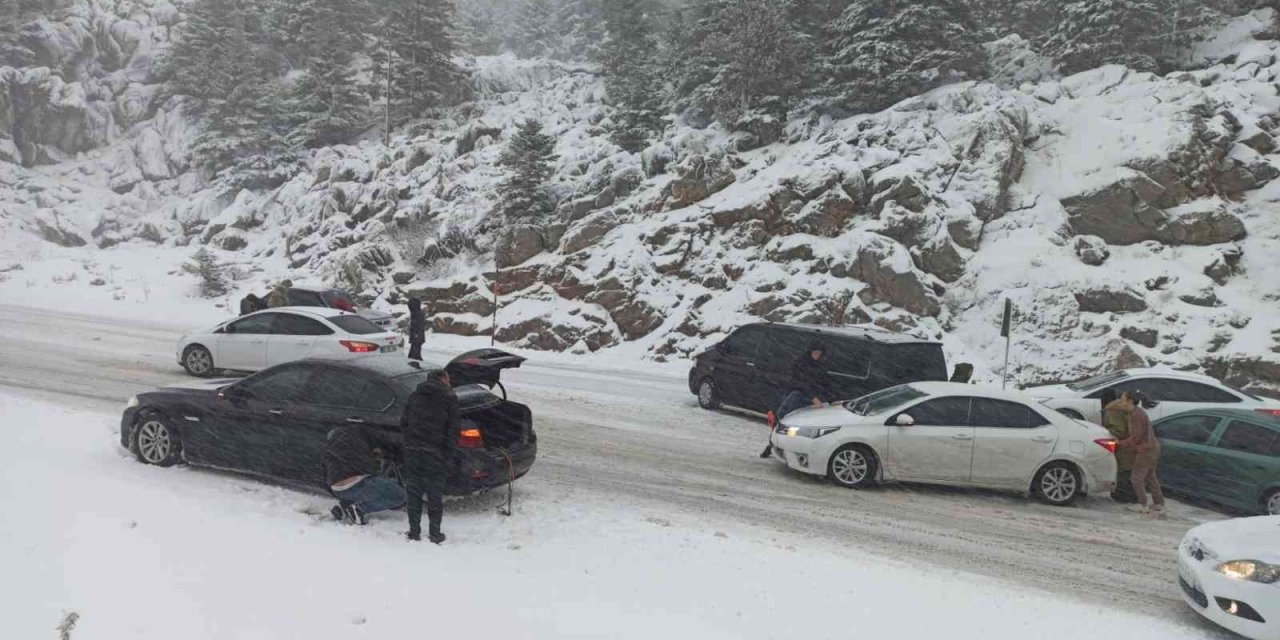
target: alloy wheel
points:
(1058, 484)
(154, 443)
(1273, 503)
(199, 362)
(850, 466)
(706, 393)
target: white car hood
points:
(832, 415)
(1241, 539)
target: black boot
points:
(768, 451)
(436, 537)
(415, 536)
(336, 511)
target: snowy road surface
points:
(635, 444)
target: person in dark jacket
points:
(352, 469)
(417, 329)
(250, 304)
(810, 384)
(430, 425)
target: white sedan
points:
(952, 434)
(1175, 392)
(267, 338)
(1229, 572)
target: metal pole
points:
(1005, 383)
(493, 332)
(386, 123)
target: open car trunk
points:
(482, 367)
(505, 424)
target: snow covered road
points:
(636, 441)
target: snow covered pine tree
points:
(524, 196)
(629, 58)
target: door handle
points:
(355, 420)
(961, 436)
(1042, 439)
(276, 412)
(751, 364)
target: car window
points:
(299, 298)
(987, 412)
(884, 400)
(289, 324)
(850, 358)
(1248, 438)
(946, 412)
(335, 388)
(780, 347)
(1192, 429)
(376, 397)
(913, 362)
(278, 385)
(1187, 391)
(258, 324)
(743, 343)
(1097, 382)
(356, 325)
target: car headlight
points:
(1251, 570)
(811, 432)
(133, 402)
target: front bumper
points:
(1213, 595)
(797, 453)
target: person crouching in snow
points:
(353, 472)
(810, 384)
(1146, 453)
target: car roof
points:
(1171, 373)
(1242, 414)
(979, 391)
(389, 365)
(871, 333)
(324, 313)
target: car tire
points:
(155, 442)
(1071, 413)
(198, 361)
(708, 394)
(852, 466)
(1271, 503)
(1058, 484)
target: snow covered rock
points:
(518, 243)
(1111, 299)
(1092, 250)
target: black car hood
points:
(196, 387)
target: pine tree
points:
(580, 29)
(629, 60)
(327, 102)
(480, 28)
(213, 275)
(534, 29)
(888, 50)
(1139, 34)
(417, 37)
(524, 193)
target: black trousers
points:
(415, 350)
(425, 472)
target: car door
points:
(334, 397)
(849, 366)
(1244, 463)
(1185, 455)
(293, 337)
(939, 446)
(735, 373)
(1010, 440)
(779, 349)
(243, 344)
(250, 416)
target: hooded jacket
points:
(417, 323)
(430, 421)
(809, 377)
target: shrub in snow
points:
(213, 275)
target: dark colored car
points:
(751, 368)
(274, 423)
(337, 299)
(1227, 456)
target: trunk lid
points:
(481, 367)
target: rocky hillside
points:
(1132, 218)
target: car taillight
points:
(1110, 444)
(1269, 412)
(358, 347)
(470, 439)
(344, 304)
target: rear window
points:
(339, 300)
(356, 325)
(1097, 381)
(914, 363)
(884, 400)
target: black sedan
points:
(275, 422)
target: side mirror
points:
(234, 393)
(905, 420)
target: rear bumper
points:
(483, 469)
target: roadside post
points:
(1006, 332)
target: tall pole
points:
(493, 331)
(386, 123)
(1006, 330)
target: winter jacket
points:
(348, 452)
(1116, 420)
(809, 376)
(279, 297)
(430, 421)
(417, 323)
(250, 304)
(1142, 440)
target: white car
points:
(952, 434)
(1229, 572)
(1175, 392)
(266, 338)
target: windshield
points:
(355, 325)
(884, 400)
(1097, 381)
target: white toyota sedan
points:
(1229, 572)
(1175, 392)
(952, 434)
(267, 338)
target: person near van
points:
(1146, 453)
(352, 469)
(417, 329)
(279, 297)
(810, 385)
(431, 427)
(1116, 413)
(250, 304)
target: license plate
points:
(388, 349)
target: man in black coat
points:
(417, 329)
(352, 469)
(810, 384)
(430, 425)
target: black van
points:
(751, 368)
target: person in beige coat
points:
(1146, 454)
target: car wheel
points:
(1271, 503)
(154, 442)
(198, 361)
(852, 466)
(708, 395)
(1058, 484)
(1071, 413)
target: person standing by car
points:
(1116, 413)
(417, 329)
(430, 426)
(1146, 452)
(279, 297)
(810, 384)
(250, 304)
(352, 470)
